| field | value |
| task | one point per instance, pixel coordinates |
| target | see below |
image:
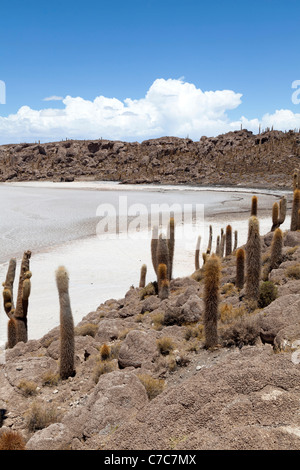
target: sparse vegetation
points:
(39, 416)
(153, 386)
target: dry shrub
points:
(102, 367)
(157, 320)
(39, 416)
(105, 352)
(165, 345)
(153, 386)
(244, 331)
(28, 388)
(50, 378)
(293, 271)
(12, 440)
(228, 313)
(88, 329)
(267, 293)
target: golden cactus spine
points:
(212, 273)
(67, 341)
(253, 260)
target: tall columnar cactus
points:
(240, 268)
(8, 285)
(21, 310)
(295, 208)
(143, 276)
(171, 245)
(228, 244)
(218, 251)
(208, 250)
(154, 242)
(235, 240)
(163, 282)
(162, 255)
(276, 249)
(282, 210)
(11, 333)
(253, 206)
(253, 260)
(275, 216)
(295, 180)
(222, 244)
(67, 342)
(197, 253)
(212, 274)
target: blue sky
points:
(119, 49)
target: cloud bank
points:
(170, 107)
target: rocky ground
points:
(160, 388)
(239, 158)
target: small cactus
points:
(171, 246)
(282, 210)
(275, 216)
(208, 250)
(143, 276)
(154, 242)
(67, 341)
(162, 252)
(235, 240)
(105, 352)
(163, 282)
(21, 310)
(276, 249)
(253, 206)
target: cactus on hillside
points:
(276, 249)
(212, 274)
(163, 282)
(21, 310)
(235, 240)
(154, 242)
(275, 216)
(295, 208)
(208, 250)
(197, 253)
(253, 260)
(162, 254)
(143, 276)
(282, 210)
(228, 243)
(240, 268)
(67, 341)
(253, 206)
(171, 245)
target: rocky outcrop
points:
(236, 158)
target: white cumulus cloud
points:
(170, 107)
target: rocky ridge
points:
(239, 158)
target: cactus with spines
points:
(295, 180)
(154, 243)
(228, 243)
(240, 268)
(276, 249)
(21, 310)
(235, 240)
(8, 284)
(218, 248)
(197, 253)
(67, 341)
(11, 332)
(295, 208)
(162, 254)
(208, 250)
(171, 245)
(253, 260)
(282, 210)
(212, 274)
(222, 244)
(275, 216)
(163, 282)
(253, 206)
(143, 276)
